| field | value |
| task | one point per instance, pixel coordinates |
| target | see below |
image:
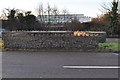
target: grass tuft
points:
(112, 46)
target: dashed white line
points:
(92, 67)
(115, 53)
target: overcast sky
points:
(87, 7)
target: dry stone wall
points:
(48, 40)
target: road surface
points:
(52, 65)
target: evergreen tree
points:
(114, 18)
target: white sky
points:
(87, 7)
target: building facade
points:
(63, 18)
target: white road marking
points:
(41, 77)
(115, 53)
(92, 67)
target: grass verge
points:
(109, 46)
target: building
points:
(63, 18)
(85, 19)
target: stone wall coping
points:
(59, 31)
(96, 32)
(45, 31)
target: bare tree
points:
(48, 12)
(65, 12)
(40, 11)
(4, 14)
(8, 13)
(55, 12)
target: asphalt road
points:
(50, 65)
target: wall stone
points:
(48, 40)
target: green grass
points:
(111, 46)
